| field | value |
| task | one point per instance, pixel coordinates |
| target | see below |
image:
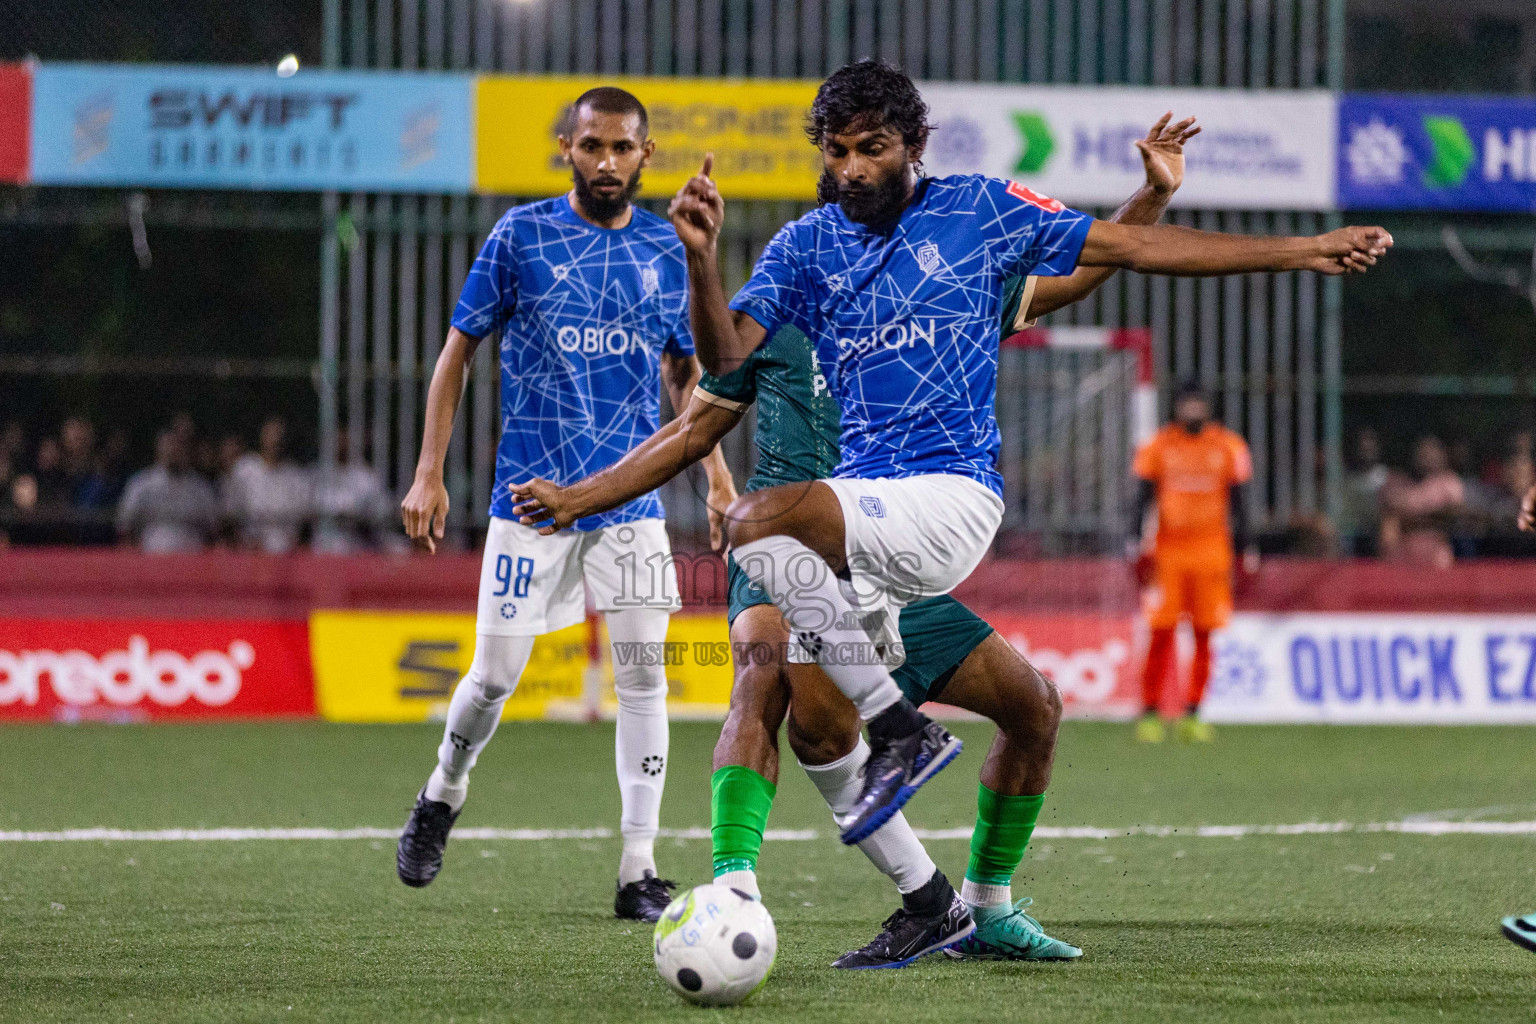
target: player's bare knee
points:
(760, 694)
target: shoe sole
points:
(1518, 937)
(955, 954)
(943, 945)
(881, 815)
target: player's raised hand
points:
(424, 512)
(540, 503)
(698, 211)
(1350, 250)
(1162, 152)
(1527, 517)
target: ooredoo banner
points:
(125, 670)
(1258, 150)
(1091, 659)
(188, 126)
(1360, 668)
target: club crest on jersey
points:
(928, 257)
(649, 280)
(1033, 198)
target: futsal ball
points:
(715, 945)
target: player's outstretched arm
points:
(425, 508)
(1162, 156)
(682, 442)
(1185, 252)
(723, 337)
(680, 374)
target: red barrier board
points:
(127, 670)
(1092, 659)
(15, 122)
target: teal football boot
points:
(1007, 933)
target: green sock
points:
(738, 813)
(1003, 827)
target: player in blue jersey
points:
(951, 654)
(897, 280)
(587, 298)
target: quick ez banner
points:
(204, 127)
(1379, 668)
(1437, 153)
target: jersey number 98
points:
(517, 584)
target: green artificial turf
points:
(1346, 927)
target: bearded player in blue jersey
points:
(898, 283)
(951, 654)
(587, 298)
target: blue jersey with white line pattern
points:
(904, 316)
(582, 314)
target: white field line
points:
(237, 835)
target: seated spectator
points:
(1417, 510)
(1362, 492)
(168, 507)
(267, 498)
(352, 510)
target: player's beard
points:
(604, 208)
(866, 204)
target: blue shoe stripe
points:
(953, 940)
(872, 824)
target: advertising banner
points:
(755, 128)
(1359, 668)
(1090, 658)
(1437, 153)
(205, 127)
(15, 121)
(402, 667)
(127, 670)
(1257, 151)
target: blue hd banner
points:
(205, 127)
(1437, 153)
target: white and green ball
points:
(715, 945)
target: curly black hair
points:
(867, 95)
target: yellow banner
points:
(402, 667)
(754, 128)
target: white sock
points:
(640, 738)
(978, 896)
(820, 617)
(894, 848)
(744, 880)
(474, 712)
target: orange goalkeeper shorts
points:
(1190, 587)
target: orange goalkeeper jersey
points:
(1194, 475)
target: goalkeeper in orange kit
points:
(1193, 472)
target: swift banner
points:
(1437, 152)
(754, 128)
(1257, 150)
(127, 670)
(1356, 668)
(207, 127)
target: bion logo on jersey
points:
(591, 341)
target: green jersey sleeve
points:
(1018, 293)
(735, 390)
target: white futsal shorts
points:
(914, 537)
(531, 584)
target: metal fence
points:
(1268, 345)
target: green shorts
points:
(938, 634)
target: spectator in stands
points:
(1362, 493)
(1418, 510)
(352, 509)
(111, 476)
(267, 498)
(168, 507)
